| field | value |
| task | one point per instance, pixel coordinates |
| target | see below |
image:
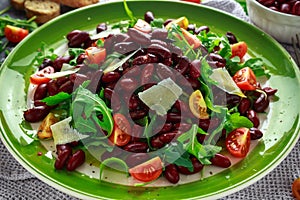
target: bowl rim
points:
(287, 15)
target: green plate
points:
(281, 127)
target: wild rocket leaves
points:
(87, 108)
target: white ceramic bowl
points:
(279, 25)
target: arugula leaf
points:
(85, 107)
(56, 99)
(109, 162)
(235, 120)
(43, 53)
(157, 22)
(75, 53)
(129, 13)
(202, 152)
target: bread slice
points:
(44, 10)
(17, 4)
(78, 3)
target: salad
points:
(157, 97)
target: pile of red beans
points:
(284, 6)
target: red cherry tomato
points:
(238, 142)
(296, 189)
(194, 1)
(147, 171)
(39, 77)
(15, 34)
(120, 135)
(245, 79)
(239, 49)
(95, 55)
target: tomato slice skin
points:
(39, 77)
(239, 49)
(120, 135)
(238, 142)
(15, 34)
(245, 79)
(296, 188)
(147, 171)
(95, 55)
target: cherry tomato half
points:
(239, 49)
(296, 189)
(120, 135)
(15, 34)
(245, 79)
(197, 105)
(95, 55)
(147, 171)
(191, 39)
(39, 77)
(238, 142)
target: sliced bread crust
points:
(44, 10)
(78, 3)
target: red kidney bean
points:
(252, 116)
(220, 61)
(167, 137)
(267, 2)
(171, 173)
(167, 21)
(269, 91)
(76, 160)
(132, 72)
(159, 33)
(183, 127)
(138, 114)
(261, 103)
(182, 65)
(244, 105)
(173, 117)
(196, 164)
(159, 50)
(202, 28)
(232, 99)
(46, 62)
(66, 87)
(77, 38)
(148, 17)
(125, 47)
(81, 58)
(195, 83)
(62, 80)
(128, 84)
(159, 42)
(145, 59)
(52, 87)
(64, 152)
(204, 124)
(139, 37)
(201, 138)
(40, 92)
(164, 72)
(136, 159)
(166, 128)
(221, 161)
(59, 61)
(147, 74)
(101, 27)
(191, 27)
(36, 114)
(95, 83)
(231, 38)
(134, 103)
(77, 79)
(156, 143)
(136, 147)
(195, 69)
(296, 8)
(110, 77)
(255, 133)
